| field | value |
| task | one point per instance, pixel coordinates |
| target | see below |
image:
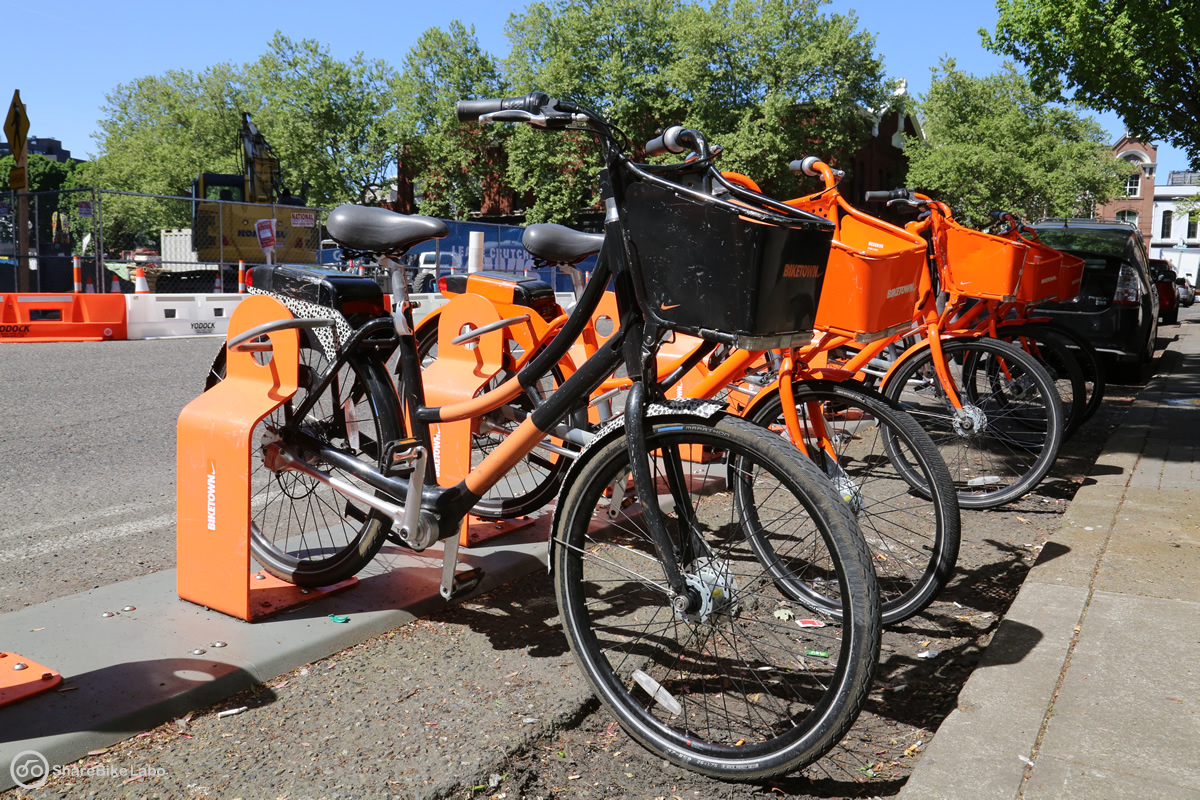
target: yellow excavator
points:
(226, 210)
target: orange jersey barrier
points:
(62, 317)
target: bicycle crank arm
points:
(405, 517)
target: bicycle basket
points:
(741, 274)
(1070, 277)
(1040, 276)
(980, 265)
(872, 284)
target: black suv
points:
(1117, 306)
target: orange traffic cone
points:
(241, 277)
(219, 285)
(115, 288)
(140, 286)
(91, 289)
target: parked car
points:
(1117, 305)
(1187, 292)
(1168, 293)
(425, 268)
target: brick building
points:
(1137, 204)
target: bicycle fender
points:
(305, 310)
(684, 410)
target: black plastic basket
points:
(741, 274)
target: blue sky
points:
(69, 54)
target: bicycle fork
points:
(684, 598)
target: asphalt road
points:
(87, 461)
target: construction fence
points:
(186, 246)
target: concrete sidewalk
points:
(1091, 685)
(133, 655)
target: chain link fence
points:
(187, 246)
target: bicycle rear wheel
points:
(872, 452)
(535, 479)
(302, 531)
(1055, 353)
(1006, 437)
(745, 688)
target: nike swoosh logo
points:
(666, 307)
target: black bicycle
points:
(686, 541)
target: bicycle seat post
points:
(399, 295)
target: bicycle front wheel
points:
(886, 468)
(749, 685)
(1004, 439)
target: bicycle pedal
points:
(465, 582)
(396, 455)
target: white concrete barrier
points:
(154, 316)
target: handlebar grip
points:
(669, 142)
(885, 196)
(471, 110)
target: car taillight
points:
(442, 284)
(1128, 289)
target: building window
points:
(1133, 184)
(1167, 218)
(1192, 219)
(1127, 216)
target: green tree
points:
(157, 134)
(1139, 59)
(450, 163)
(770, 80)
(775, 80)
(331, 123)
(42, 174)
(994, 144)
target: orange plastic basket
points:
(1070, 277)
(980, 265)
(1040, 277)
(871, 284)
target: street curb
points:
(132, 671)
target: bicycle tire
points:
(1089, 361)
(912, 531)
(754, 696)
(1055, 354)
(303, 532)
(535, 480)
(1012, 439)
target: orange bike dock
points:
(62, 317)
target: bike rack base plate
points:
(18, 684)
(269, 595)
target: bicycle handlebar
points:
(677, 139)
(888, 196)
(471, 110)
